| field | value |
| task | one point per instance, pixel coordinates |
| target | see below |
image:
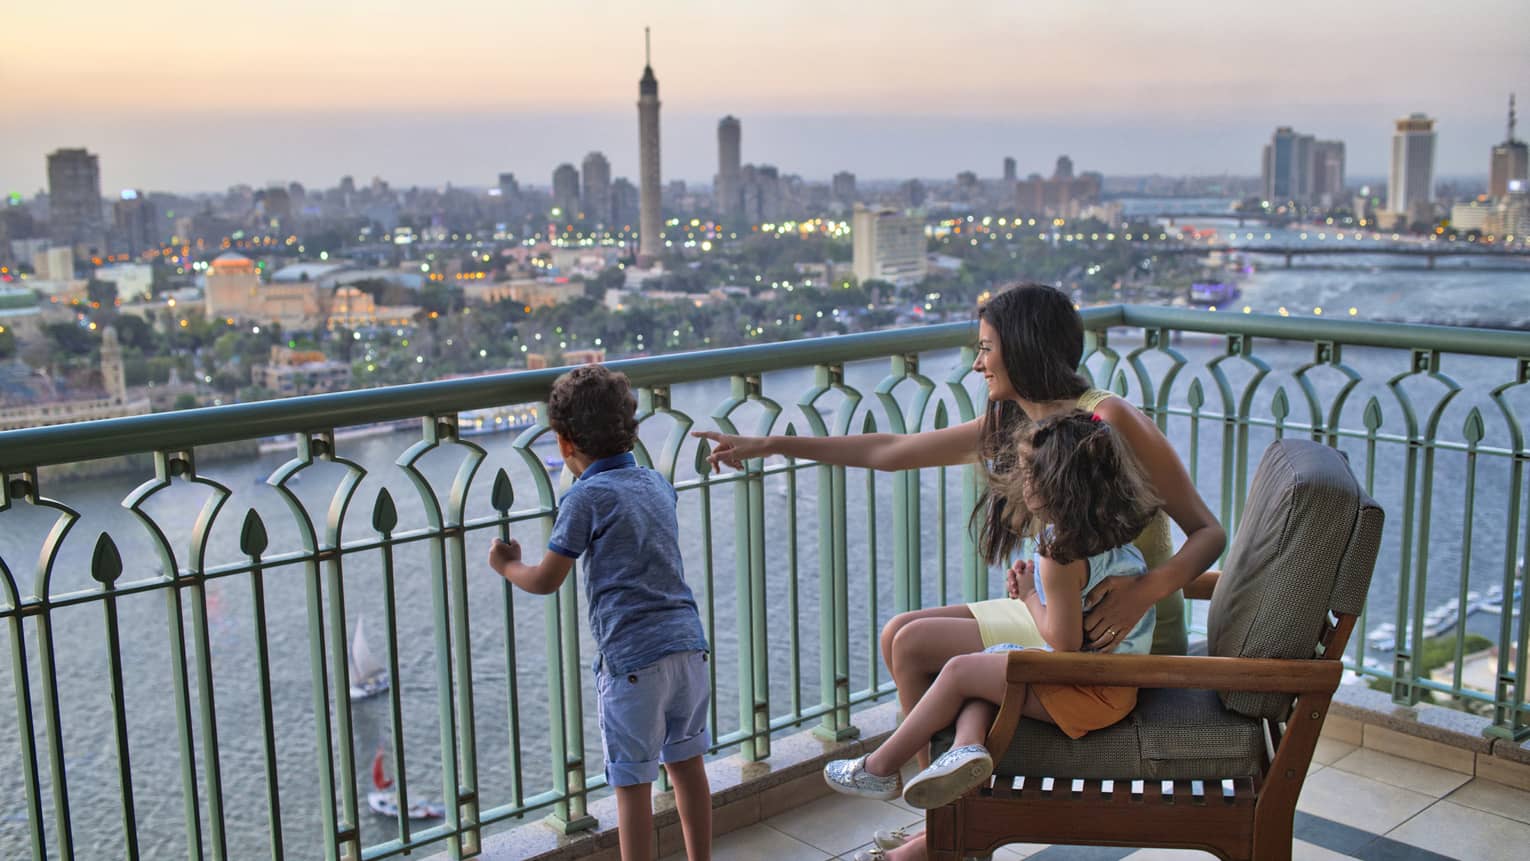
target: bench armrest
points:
(1201, 587)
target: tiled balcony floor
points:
(1357, 803)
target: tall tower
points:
(1411, 186)
(650, 220)
(730, 195)
(1511, 160)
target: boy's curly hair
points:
(593, 407)
(1090, 490)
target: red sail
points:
(379, 773)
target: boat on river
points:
(368, 675)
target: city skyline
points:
(1188, 84)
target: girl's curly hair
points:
(1089, 491)
(593, 407)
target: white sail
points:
(364, 665)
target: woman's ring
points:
(1110, 632)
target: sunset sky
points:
(187, 96)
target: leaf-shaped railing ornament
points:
(1372, 416)
(869, 425)
(252, 535)
(1473, 430)
(384, 513)
(106, 561)
(1196, 397)
(1280, 406)
(502, 494)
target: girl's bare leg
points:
(965, 677)
(916, 644)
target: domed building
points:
(233, 287)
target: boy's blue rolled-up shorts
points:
(652, 715)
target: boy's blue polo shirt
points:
(620, 518)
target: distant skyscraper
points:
(730, 198)
(1327, 172)
(133, 225)
(74, 199)
(597, 188)
(650, 220)
(1288, 167)
(843, 187)
(1009, 169)
(1064, 168)
(624, 204)
(912, 192)
(1511, 160)
(1412, 180)
(566, 192)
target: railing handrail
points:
(1505, 343)
(185, 429)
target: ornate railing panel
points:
(181, 648)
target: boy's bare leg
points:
(634, 821)
(693, 799)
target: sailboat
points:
(368, 676)
(383, 799)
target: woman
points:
(1030, 344)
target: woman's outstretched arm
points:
(951, 446)
(1119, 603)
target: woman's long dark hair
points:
(1041, 342)
(1090, 489)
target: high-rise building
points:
(133, 223)
(1511, 160)
(887, 246)
(1009, 169)
(1327, 172)
(624, 203)
(74, 199)
(597, 188)
(565, 197)
(1288, 167)
(1411, 185)
(912, 193)
(113, 373)
(1063, 194)
(650, 218)
(730, 198)
(843, 187)
(510, 206)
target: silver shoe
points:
(954, 774)
(873, 854)
(890, 840)
(850, 777)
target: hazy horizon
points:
(182, 97)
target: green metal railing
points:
(269, 751)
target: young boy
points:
(651, 673)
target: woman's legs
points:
(965, 677)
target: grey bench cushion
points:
(1172, 734)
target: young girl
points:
(1075, 487)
